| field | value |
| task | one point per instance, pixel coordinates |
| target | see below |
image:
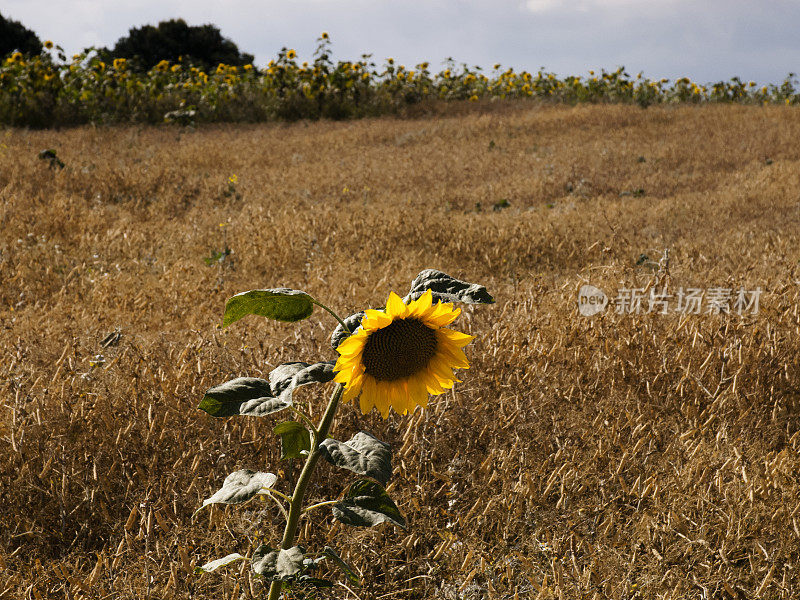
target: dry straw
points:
(621, 456)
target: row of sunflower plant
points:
(389, 359)
(50, 89)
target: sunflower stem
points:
(335, 316)
(296, 504)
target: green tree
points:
(15, 37)
(199, 45)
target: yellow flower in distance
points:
(402, 354)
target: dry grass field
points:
(620, 456)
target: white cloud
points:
(538, 6)
(601, 6)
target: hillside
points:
(617, 456)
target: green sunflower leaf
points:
(295, 439)
(288, 376)
(447, 289)
(212, 566)
(363, 454)
(281, 304)
(242, 396)
(367, 504)
(278, 565)
(254, 397)
(349, 571)
(241, 486)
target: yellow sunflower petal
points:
(368, 394)
(352, 354)
(350, 394)
(448, 382)
(418, 391)
(397, 397)
(440, 367)
(421, 305)
(454, 355)
(411, 403)
(395, 307)
(346, 368)
(352, 389)
(382, 399)
(432, 384)
(456, 337)
(443, 315)
(352, 345)
(365, 404)
(348, 363)
(375, 319)
(441, 308)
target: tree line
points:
(202, 46)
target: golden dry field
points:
(620, 456)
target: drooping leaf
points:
(367, 504)
(280, 565)
(447, 289)
(363, 454)
(287, 376)
(314, 581)
(311, 563)
(349, 571)
(242, 396)
(295, 439)
(241, 486)
(220, 562)
(281, 304)
(339, 335)
(253, 397)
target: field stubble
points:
(622, 456)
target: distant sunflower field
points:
(51, 90)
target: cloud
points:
(538, 6)
(585, 6)
(707, 41)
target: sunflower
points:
(400, 355)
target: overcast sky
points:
(706, 40)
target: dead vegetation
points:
(622, 456)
